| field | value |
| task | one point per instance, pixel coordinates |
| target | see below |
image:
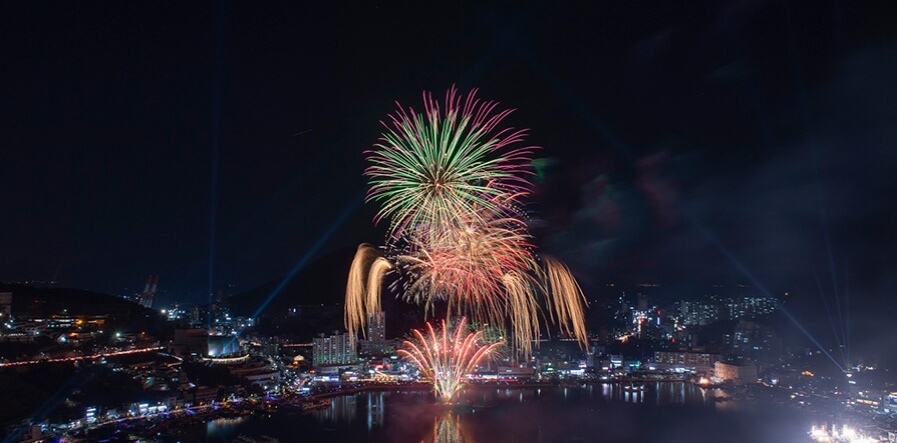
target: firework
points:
(451, 184)
(483, 270)
(466, 261)
(565, 299)
(363, 287)
(447, 355)
(430, 167)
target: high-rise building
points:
(749, 307)
(754, 340)
(698, 312)
(375, 341)
(376, 330)
(336, 349)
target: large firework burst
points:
(430, 167)
(451, 185)
(447, 355)
(465, 263)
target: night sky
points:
(146, 138)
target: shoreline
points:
(151, 427)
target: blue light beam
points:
(750, 276)
(797, 70)
(831, 319)
(847, 314)
(337, 222)
(78, 381)
(217, 110)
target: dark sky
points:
(134, 133)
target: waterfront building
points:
(736, 372)
(698, 361)
(516, 372)
(260, 371)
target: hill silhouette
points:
(122, 315)
(322, 281)
(30, 301)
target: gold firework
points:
(446, 356)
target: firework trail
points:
(566, 299)
(363, 287)
(447, 355)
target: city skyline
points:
(737, 142)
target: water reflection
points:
(342, 409)
(724, 400)
(345, 409)
(662, 412)
(369, 409)
(634, 396)
(536, 414)
(376, 409)
(447, 429)
(223, 428)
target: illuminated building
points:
(334, 349)
(259, 371)
(750, 339)
(698, 312)
(376, 327)
(375, 342)
(713, 308)
(870, 398)
(749, 307)
(616, 361)
(219, 345)
(516, 372)
(735, 372)
(889, 402)
(699, 361)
